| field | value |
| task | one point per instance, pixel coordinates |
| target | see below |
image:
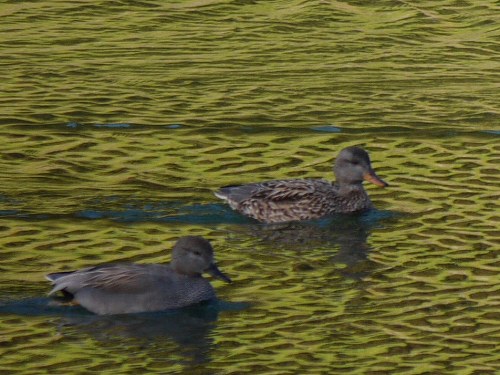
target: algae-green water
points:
(119, 119)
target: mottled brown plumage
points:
(288, 200)
(129, 288)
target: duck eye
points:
(196, 252)
(355, 162)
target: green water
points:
(120, 118)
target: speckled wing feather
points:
(281, 200)
(285, 190)
(275, 190)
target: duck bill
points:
(215, 272)
(374, 179)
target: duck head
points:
(353, 166)
(194, 255)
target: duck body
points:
(130, 288)
(289, 200)
(305, 199)
(123, 288)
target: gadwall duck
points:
(131, 288)
(291, 200)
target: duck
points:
(279, 201)
(123, 288)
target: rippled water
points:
(120, 118)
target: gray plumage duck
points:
(132, 288)
(291, 200)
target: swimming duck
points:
(304, 199)
(131, 288)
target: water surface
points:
(119, 120)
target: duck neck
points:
(349, 188)
(182, 270)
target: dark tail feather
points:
(67, 296)
(235, 193)
(225, 191)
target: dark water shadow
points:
(138, 211)
(124, 210)
(185, 331)
(168, 212)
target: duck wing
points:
(113, 278)
(275, 190)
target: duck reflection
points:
(185, 332)
(346, 236)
